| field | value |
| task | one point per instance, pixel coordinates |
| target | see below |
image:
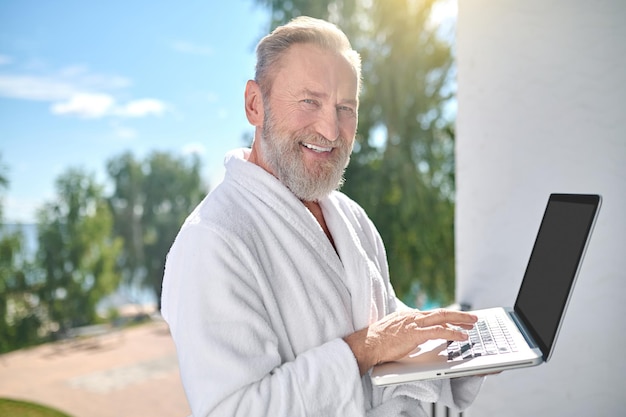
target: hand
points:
(396, 335)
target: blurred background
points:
(114, 120)
(115, 117)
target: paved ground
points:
(127, 373)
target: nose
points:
(328, 125)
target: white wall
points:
(541, 109)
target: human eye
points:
(346, 110)
(309, 102)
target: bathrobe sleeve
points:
(229, 355)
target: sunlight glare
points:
(444, 12)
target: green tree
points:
(76, 250)
(20, 317)
(127, 205)
(402, 169)
(4, 183)
(151, 199)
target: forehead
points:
(310, 67)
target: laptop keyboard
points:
(489, 336)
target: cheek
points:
(295, 121)
(348, 128)
(302, 120)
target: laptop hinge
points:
(523, 329)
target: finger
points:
(443, 316)
(442, 332)
(459, 317)
(461, 325)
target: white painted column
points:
(541, 109)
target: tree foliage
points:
(21, 315)
(150, 201)
(89, 242)
(402, 169)
(19, 321)
(76, 251)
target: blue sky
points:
(82, 82)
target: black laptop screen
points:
(553, 265)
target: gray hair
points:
(301, 30)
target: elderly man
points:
(276, 289)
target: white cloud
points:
(62, 85)
(28, 87)
(83, 77)
(191, 48)
(89, 106)
(141, 108)
(77, 91)
(92, 106)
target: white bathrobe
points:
(258, 300)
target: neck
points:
(316, 210)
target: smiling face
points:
(306, 127)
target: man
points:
(276, 289)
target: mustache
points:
(320, 140)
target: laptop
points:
(525, 335)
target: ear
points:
(254, 104)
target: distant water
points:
(124, 295)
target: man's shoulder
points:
(345, 203)
(353, 211)
(224, 205)
(218, 214)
